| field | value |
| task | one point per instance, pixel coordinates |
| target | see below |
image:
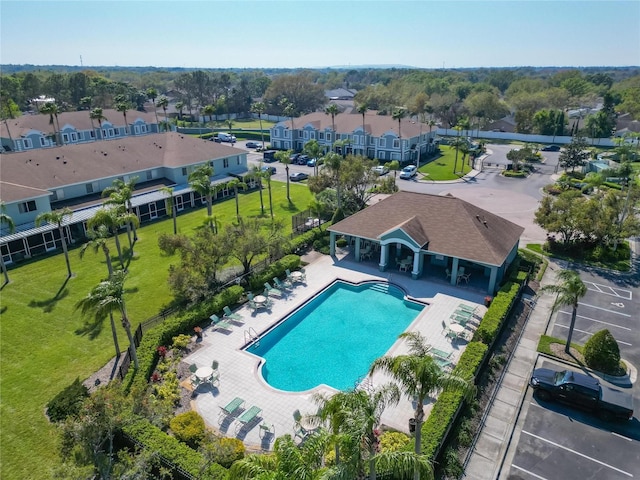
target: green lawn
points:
(248, 124)
(441, 168)
(45, 345)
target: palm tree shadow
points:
(3, 309)
(289, 206)
(91, 328)
(49, 304)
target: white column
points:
(332, 243)
(384, 250)
(454, 271)
(416, 265)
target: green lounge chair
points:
(272, 291)
(283, 285)
(230, 408)
(217, 322)
(467, 308)
(247, 417)
(233, 316)
(440, 353)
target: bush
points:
(276, 269)
(188, 427)
(67, 403)
(500, 307)
(341, 242)
(224, 450)
(394, 442)
(601, 352)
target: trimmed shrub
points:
(500, 306)
(67, 403)
(341, 242)
(601, 352)
(173, 450)
(188, 427)
(276, 269)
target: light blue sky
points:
(309, 33)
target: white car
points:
(381, 169)
(409, 172)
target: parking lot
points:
(559, 442)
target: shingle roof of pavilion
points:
(443, 225)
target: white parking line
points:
(614, 292)
(527, 472)
(596, 320)
(578, 453)
(605, 309)
(622, 436)
(589, 333)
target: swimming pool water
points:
(334, 338)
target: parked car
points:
(312, 162)
(409, 172)
(293, 158)
(252, 144)
(582, 391)
(550, 148)
(270, 169)
(226, 137)
(302, 159)
(269, 156)
(298, 176)
(381, 169)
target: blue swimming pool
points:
(334, 338)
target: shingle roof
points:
(443, 225)
(375, 125)
(78, 119)
(49, 168)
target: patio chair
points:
(304, 274)
(281, 285)
(247, 417)
(272, 291)
(217, 322)
(266, 429)
(448, 273)
(231, 408)
(195, 381)
(233, 316)
(192, 368)
(441, 353)
(467, 308)
(298, 429)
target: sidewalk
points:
(494, 440)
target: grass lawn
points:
(45, 344)
(441, 167)
(249, 124)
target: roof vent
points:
(478, 217)
(104, 153)
(57, 158)
(64, 161)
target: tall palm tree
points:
(56, 218)
(570, 290)
(284, 157)
(332, 110)
(98, 240)
(257, 173)
(267, 177)
(163, 102)
(171, 210)
(235, 184)
(398, 114)
(313, 149)
(120, 193)
(96, 114)
(208, 110)
(289, 111)
(8, 221)
(259, 108)
(463, 124)
(122, 106)
(420, 377)
(362, 110)
(152, 94)
(108, 297)
(112, 218)
(200, 181)
(333, 162)
(180, 108)
(52, 110)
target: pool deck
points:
(239, 376)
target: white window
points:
(27, 143)
(382, 143)
(29, 206)
(91, 187)
(396, 143)
(328, 137)
(225, 163)
(237, 160)
(321, 135)
(136, 129)
(65, 138)
(286, 134)
(306, 135)
(74, 137)
(149, 175)
(92, 134)
(59, 193)
(313, 135)
(42, 142)
(184, 171)
(143, 128)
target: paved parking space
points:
(558, 442)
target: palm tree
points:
(200, 181)
(120, 193)
(313, 149)
(235, 183)
(208, 110)
(259, 108)
(96, 114)
(98, 239)
(420, 377)
(7, 220)
(333, 162)
(257, 173)
(171, 210)
(463, 124)
(152, 94)
(267, 177)
(332, 110)
(570, 290)
(163, 102)
(56, 218)
(180, 108)
(284, 157)
(52, 109)
(122, 106)
(362, 110)
(398, 114)
(108, 297)
(289, 111)
(86, 102)
(112, 218)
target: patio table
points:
(204, 372)
(260, 300)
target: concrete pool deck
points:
(239, 375)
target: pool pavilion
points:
(432, 236)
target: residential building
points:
(74, 176)
(379, 138)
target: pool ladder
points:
(251, 337)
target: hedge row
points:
(164, 333)
(301, 242)
(500, 306)
(444, 410)
(276, 269)
(173, 450)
